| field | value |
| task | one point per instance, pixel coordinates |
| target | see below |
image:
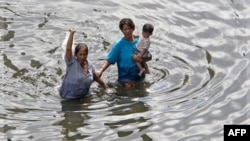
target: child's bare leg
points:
(141, 69)
(146, 67)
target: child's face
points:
(146, 34)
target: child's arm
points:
(138, 57)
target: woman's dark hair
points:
(126, 21)
(79, 46)
(149, 28)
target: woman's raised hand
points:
(72, 30)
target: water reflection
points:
(74, 118)
(79, 113)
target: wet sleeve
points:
(69, 62)
(92, 69)
(113, 54)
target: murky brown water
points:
(199, 81)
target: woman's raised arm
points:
(68, 53)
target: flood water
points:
(199, 80)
